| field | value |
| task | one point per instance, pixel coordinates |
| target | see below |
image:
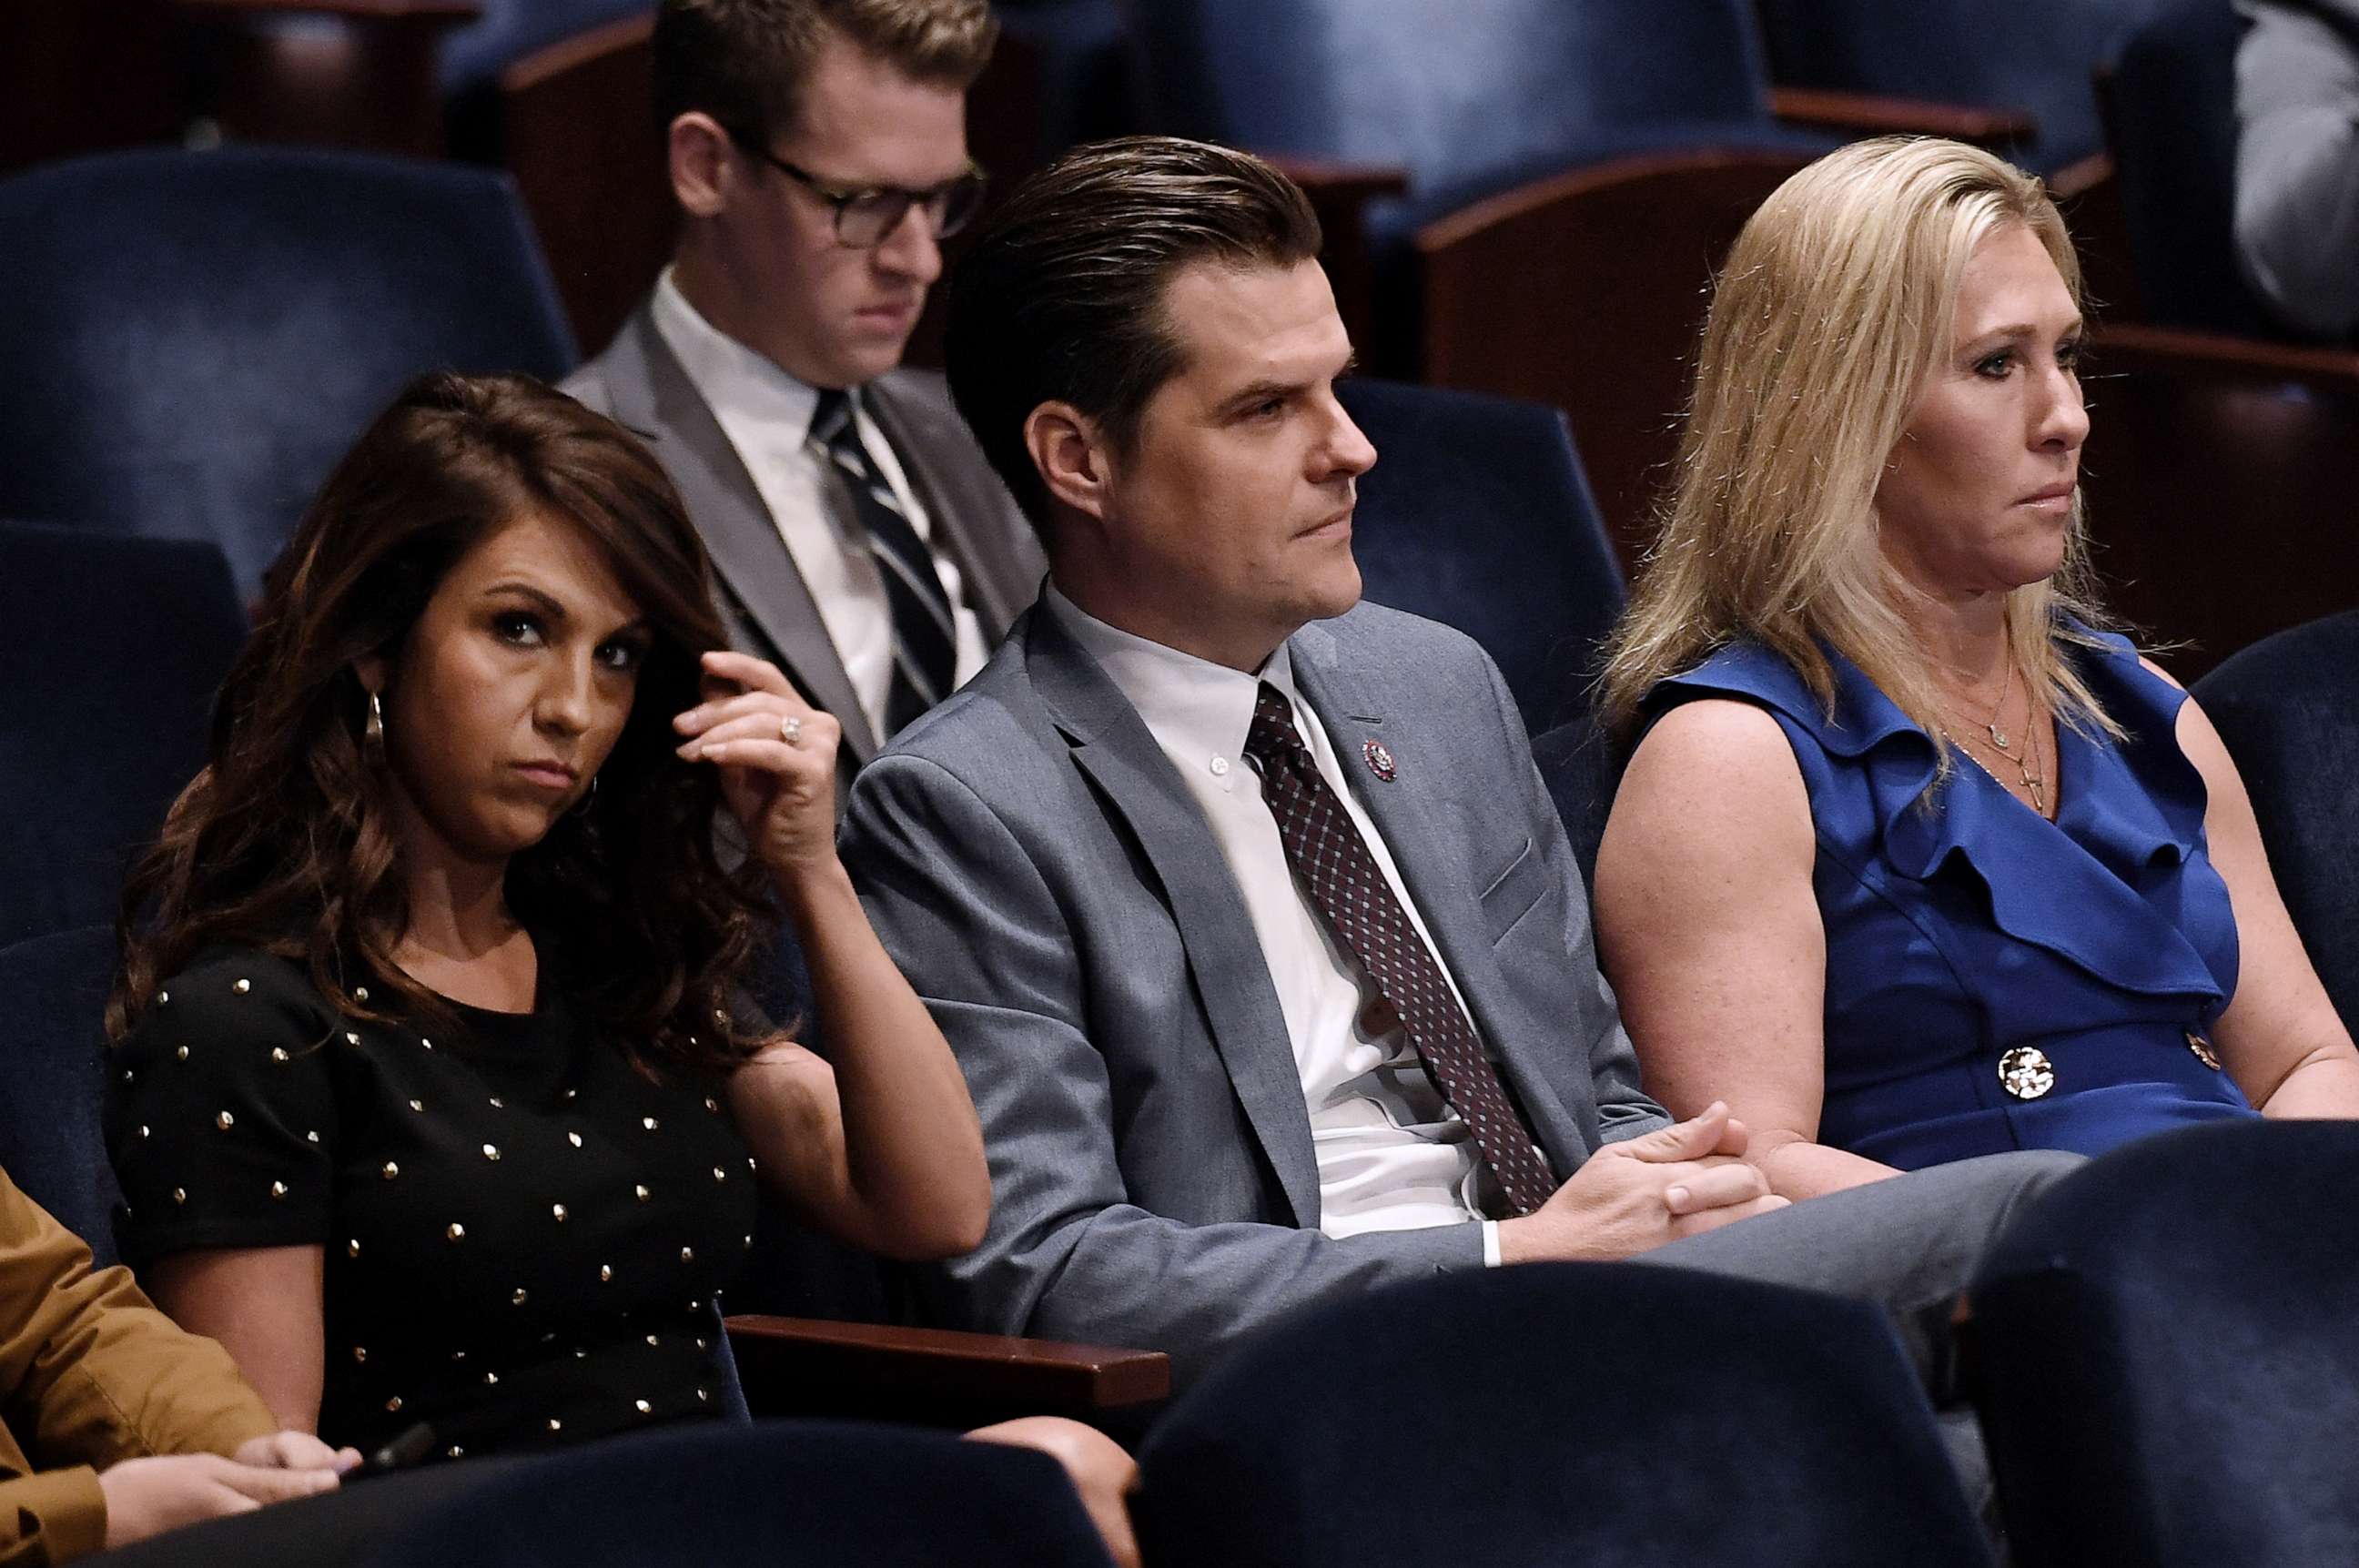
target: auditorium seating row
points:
(2161, 1355)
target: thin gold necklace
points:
(2034, 781)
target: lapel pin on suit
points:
(1380, 761)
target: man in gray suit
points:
(818, 151)
(1260, 944)
(2298, 161)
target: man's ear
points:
(702, 171)
(1071, 455)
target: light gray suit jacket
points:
(2298, 161)
(638, 383)
(1035, 865)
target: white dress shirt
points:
(767, 414)
(1392, 1154)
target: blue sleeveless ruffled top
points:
(1995, 981)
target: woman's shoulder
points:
(240, 989)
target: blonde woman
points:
(1911, 862)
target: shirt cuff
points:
(62, 1510)
(1490, 1244)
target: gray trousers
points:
(1908, 1243)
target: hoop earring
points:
(373, 727)
(582, 807)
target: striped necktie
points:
(925, 645)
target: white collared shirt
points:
(1392, 1154)
(767, 414)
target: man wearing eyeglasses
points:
(818, 151)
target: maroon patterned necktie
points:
(1333, 863)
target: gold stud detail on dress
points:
(720, 1017)
(224, 1121)
(570, 1092)
(454, 1451)
(351, 1038)
(360, 994)
(393, 1405)
(279, 1189)
(652, 1343)
(163, 999)
(559, 1210)
(639, 1191)
(719, 1174)
(688, 1255)
(182, 1054)
(704, 1396)
(605, 1275)
(499, 1104)
(416, 1105)
(242, 987)
(360, 1354)
(2026, 1072)
(518, 1298)
(142, 1130)
(699, 1341)
(574, 1139)
(749, 1243)
(179, 1194)
(426, 1042)
(491, 1151)
(389, 1170)
(353, 1247)
(278, 1054)
(312, 1136)
(643, 1407)
(2202, 1050)
(713, 1105)
(458, 1355)
(491, 1380)
(649, 1123)
(556, 1425)
(457, 1232)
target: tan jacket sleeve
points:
(91, 1373)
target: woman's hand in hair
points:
(777, 757)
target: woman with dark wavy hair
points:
(431, 1103)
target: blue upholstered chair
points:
(2288, 708)
(114, 648)
(52, 1000)
(1582, 765)
(1558, 1413)
(473, 54)
(2034, 57)
(781, 1495)
(2168, 1362)
(2170, 118)
(1477, 515)
(200, 335)
(1470, 99)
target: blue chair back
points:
(1471, 96)
(2031, 56)
(1477, 515)
(2171, 104)
(2289, 709)
(781, 1495)
(1558, 1413)
(52, 1059)
(2169, 1361)
(1582, 765)
(472, 56)
(209, 331)
(114, 647)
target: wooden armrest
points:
(1869, 114)
(807, 1363)
(1334, 180)
(2214, 356)
(438, 13)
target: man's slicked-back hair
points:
(1061, 298)
(746, 62)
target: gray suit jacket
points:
(639, 383)
(2298, 161)
(1035, 865)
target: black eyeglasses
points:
(864, 217)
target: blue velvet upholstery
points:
(472, 56)
(52, 1046)
(2169, 1366)
(1558, 1413)
(196, 337)
(2174, 143)
(1470, 99)
(1477, 515)
(2031, 56)
(113, 647)
(2288, 708)
(779, 1494)
(1582, 765)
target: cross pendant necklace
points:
(2034, 782)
